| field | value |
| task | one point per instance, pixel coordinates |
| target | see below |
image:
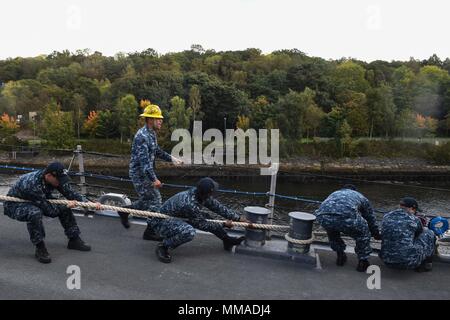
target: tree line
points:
(86, 94)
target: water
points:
(383, 197)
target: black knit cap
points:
(349, 186)
(410, 202)
(58, 171)
(207, 186)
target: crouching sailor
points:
(187, 204)
(406, 243)
(349, 212)
(37, 187)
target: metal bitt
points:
(301, 224)
(256, 238)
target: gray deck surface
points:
(123, 266)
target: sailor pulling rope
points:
(149, 214)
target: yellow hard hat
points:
(152, 111)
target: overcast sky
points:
(363, 29)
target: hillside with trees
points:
(66, 97)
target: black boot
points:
(341, 258)
(427, 265)
(124, 219)
(362, 265)
(163, 254)
(78, 244)
(42, 254)
(149, 234)
(229, 242)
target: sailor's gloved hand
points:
(176, 161)
(244, 219)
(228, 223)
(376, 235)
(157, 184)
(72, 204)
(98, 206)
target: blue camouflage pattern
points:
(406, 243)
(186, 205)
(348, 212)
(32, 187)
(144, 152)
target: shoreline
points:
(401, 169)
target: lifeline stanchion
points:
(81, 169)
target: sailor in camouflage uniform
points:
(187, 205)
(406, 244)
(349, 212)
(37, 188)
(144, 151)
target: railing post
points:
(81, 169)
(273, 186)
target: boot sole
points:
(44, 261)
(84, 250)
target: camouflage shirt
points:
(399, 229)
(32, 187)
(186, 205)
(144, 151)
(348, 203)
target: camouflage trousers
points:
(149, 197)
(412, 257)
(32, 215)
(354, 227)
(176, 232)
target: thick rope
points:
(444, 242)
(298, 241)
(149, 214)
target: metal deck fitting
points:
(297, 248)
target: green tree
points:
(127, 112)
(402, 88)
(195, 102)
(349, 75)
(79, 108)
(406, 123)
(107, 125)
(291, 110)
(382, 111)
(260, 111)
(354, 106)
(447, 123)
(428, 86)
(57, 127)
(179, 115)
(343, 136)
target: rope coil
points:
(444, 242)
(298, 241)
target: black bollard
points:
(256, 238)
(301, 224)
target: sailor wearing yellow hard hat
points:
(144, 152)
